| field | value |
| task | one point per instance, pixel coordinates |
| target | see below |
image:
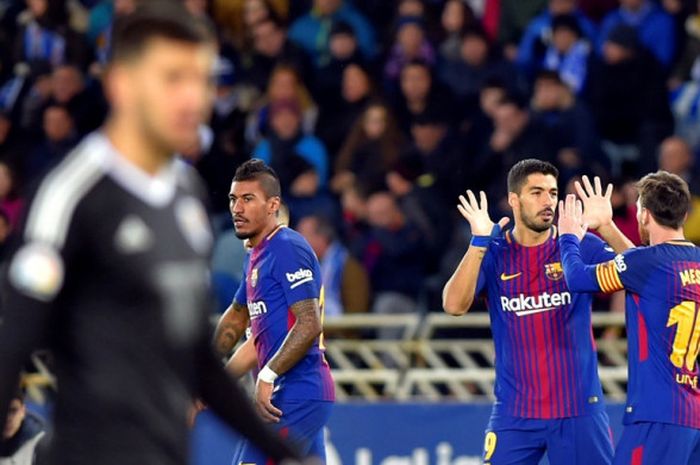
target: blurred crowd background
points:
(377, 114)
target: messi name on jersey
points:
(526, 305)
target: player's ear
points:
(273, 205)
(513, 200)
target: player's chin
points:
(242, 234)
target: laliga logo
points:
(299, 277)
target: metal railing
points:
(438, 356)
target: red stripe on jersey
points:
(637, 455)
(291, 319)
(643, 339)
(544, 368)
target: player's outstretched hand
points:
(571, 217)
(597, 208)
(263, 402)
(477, 214)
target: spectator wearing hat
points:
(410, 44)
(22, 434)
(655, 28)
(568, 54)
(345, 281)
(287, 141)
(632, 113)
(312, 30)
(538, 35)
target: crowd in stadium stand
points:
(377, 114)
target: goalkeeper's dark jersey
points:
(111, 274)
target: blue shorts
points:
(302, 423)
(582, 440)
(658, 443)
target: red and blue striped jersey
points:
(546, 364)
(663, 325)
(279, 272)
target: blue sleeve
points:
(659, 37)
(526, 49)
(579, 276)
(633, 268)
(594, 250)
(241, 298)
(296, 270)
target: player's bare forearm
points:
(230, 328)
(300, 338)
(458, 294)
(614, 237)
(243, 360)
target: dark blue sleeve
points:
(296, 269)
(633, 268)
(579, 276)
(595, 250)
(241, 298)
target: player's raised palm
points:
(597, 207)
(571, 219)
(477, 213)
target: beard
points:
(243, 235)
(643, 234)
(535, 224)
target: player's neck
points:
(659, 235)
(529, 238)
(258, 238)
(134, 146)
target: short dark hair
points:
(257, 170)
(167, 19)
(517, 176)
(666, 196)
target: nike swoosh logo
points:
(508, 277)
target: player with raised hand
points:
(548, 394)
(662, 416)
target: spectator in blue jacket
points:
(569, 52)
(312, 30)
(286, 141)
(537, 36)
(655, 27)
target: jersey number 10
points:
(686, 344)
